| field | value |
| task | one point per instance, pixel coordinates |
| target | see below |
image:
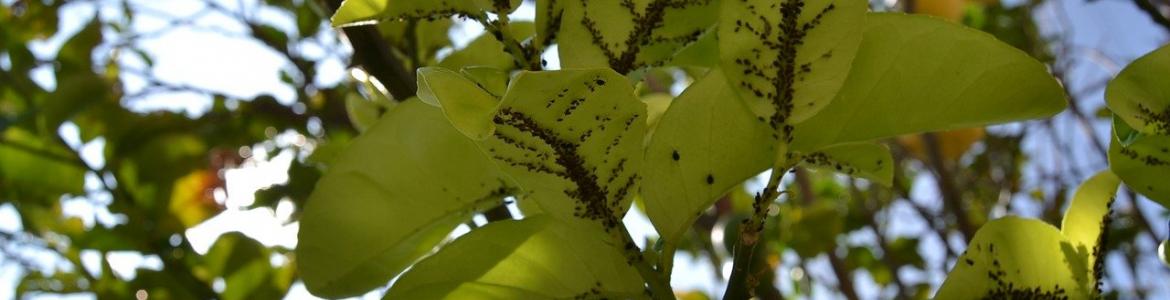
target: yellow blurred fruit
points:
(191, 198)
(952, 144)
(947, 9)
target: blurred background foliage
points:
(73, 128)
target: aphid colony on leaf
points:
(1004, 289)
(782, 72)
(561, 156)
(643, 34)
(1160, 120)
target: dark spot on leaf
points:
(710, 179)
(674, 155)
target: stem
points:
(659, 284)
(742, 280)
(666, 261)
(499, 29)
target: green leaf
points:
(917, 74)
(427, 38)
(1087, 215)
(535, 258)
(1125, 134)
(31, 168)
(362, 113)
(704, 52)
(787, 58)
(245, 266)
(492, 80)
(626, 35)
(390, 197)
(75, 92)
(573, 141)
(1143, 166)
(357, 12)
(656, 106)
(707, 143)
(76, 55)
(485, 50)
(1016, 257)
(864, 160)
(548, 21)
(467, 105)
(1020, 257)
(1140, 94)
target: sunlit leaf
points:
(492, 80)
(1015, 257)
(625, 35)
(394, 193)
(787, 58)
(468, 106)
(656, 106)
(917, 74)
(536, 258)
(573, 141)
(1140, 95)
(707, 142)
(864, 160)
(1021, 258)
(360, 11)
(485, 50)
(1086, 219)
(1143, 165)
(362, 113)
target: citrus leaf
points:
(1140, 95)
(918, 74)
(573, 141)
(395, 192)
(357, 12)
(492, 80)
(485, 50)
(707, 143)
(534, 258)
(468, 106)
(787, 58)
(1085, 219)
(626, 35)
(1143, 166)
(1016, 257)
(863, 160)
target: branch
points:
(952, 199)
(373, 54)
(659, 285)
(1154, 13)
(742, 280)
(524, 58)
